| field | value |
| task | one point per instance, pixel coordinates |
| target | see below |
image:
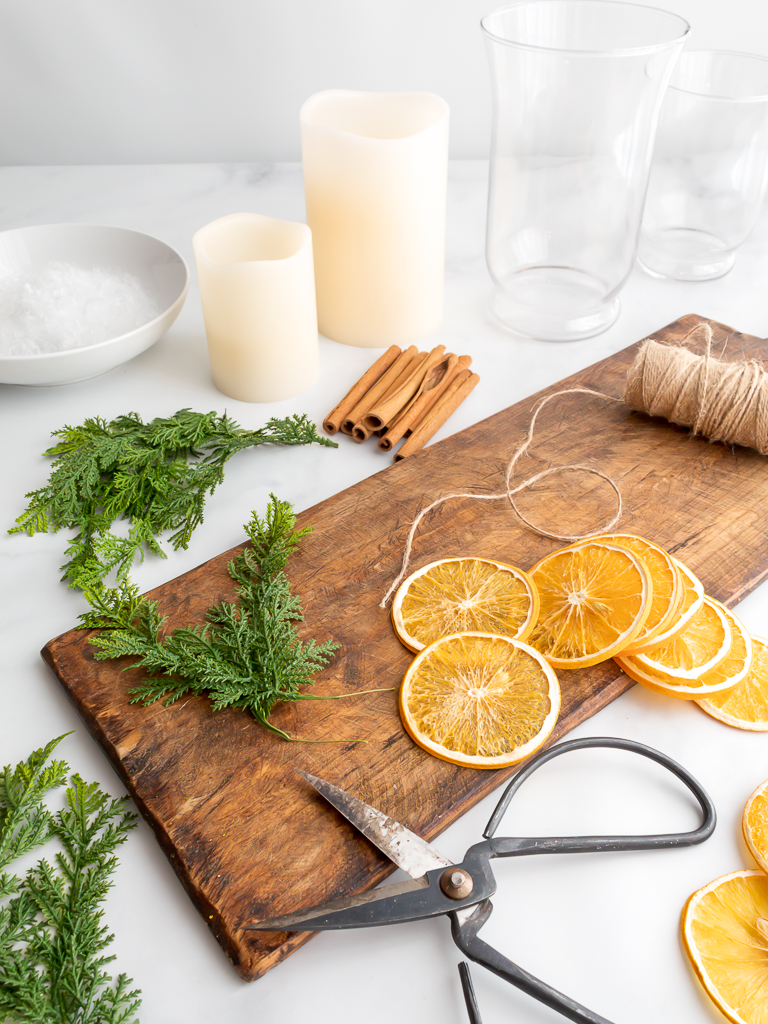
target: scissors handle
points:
(520, 847)
(465, 937)
(476, 861)
(473, 1010)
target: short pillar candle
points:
(258, 295)
(375, 179)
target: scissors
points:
(461, 891)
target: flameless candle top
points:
(374, 115)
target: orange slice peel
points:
(703, 643)
(667, 585)
(595, 599)
(459, 595)
(692, 598)
(754, 825)
(479, 700)
(725, 934)
(722, 679)
(746, 705)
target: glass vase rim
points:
(760, 97)
(619, 51)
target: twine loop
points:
(509, 491)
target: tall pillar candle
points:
(375, 175)
(258, 295)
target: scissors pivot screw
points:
(456, 884)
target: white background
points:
(138, 81)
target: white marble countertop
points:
(603, 928)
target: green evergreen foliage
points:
(247, 655)
(156, 475)
(52, 936)
(24, 820)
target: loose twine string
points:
(721, 401)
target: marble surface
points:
(603, 928)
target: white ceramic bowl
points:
(159, 268)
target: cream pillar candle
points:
(375, 174)
(258, 295)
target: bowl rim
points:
(99, 345)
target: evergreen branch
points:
(156, 475)
(246, 655)
(24, 820)
(52, 936)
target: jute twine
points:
(721, 401)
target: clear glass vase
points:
(577, 88)
(710, 166)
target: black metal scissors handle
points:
(476, 862)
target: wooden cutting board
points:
(246, 835)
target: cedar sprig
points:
(24, 819)
(247, 655)
(156, 475)
(52, 936)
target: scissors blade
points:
(300, 920)
(392, 904)
(404, 848)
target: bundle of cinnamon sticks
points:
(405, 394)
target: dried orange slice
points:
(703, 643)
(692, 600)
(721, 679)
(754, 824)
(461, 595)
(479, 700)
(667, 585)
(746, 705)
(725, 934)
(595, 599)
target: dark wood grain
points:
(246, 836)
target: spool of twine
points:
(721, 401)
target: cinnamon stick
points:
(385, 411)
(380, 388)
(404, 374)
(362, 430)
(405, 424)
(457, 391)
(333, 420)
(434, 379)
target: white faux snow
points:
(62, 306)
